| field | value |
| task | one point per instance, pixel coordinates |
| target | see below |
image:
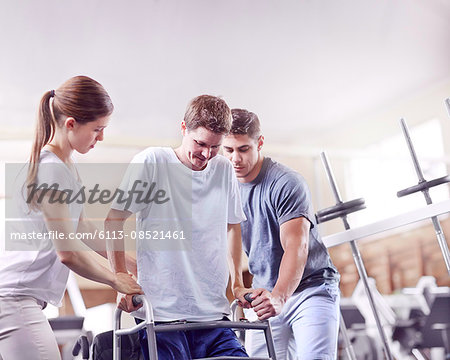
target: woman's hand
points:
(125, 284)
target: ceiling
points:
(306, 67)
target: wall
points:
(395, 261)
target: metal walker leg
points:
(152, 329)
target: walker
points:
(152, 329)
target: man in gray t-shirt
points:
(295, 284)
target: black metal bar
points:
(358, 260)
(412, 151)
(424, 186)
(339, 207)
(211, 325)
(437, 226)
(447, 104)
(324, 218)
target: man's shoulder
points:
(220, 161)
(279, 174)
(153, 154)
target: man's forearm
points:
(291, 271)
(115, 246)
(235, 255)
(294, 237)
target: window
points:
(382, 169)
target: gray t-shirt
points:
(279, 194)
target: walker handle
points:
(248, 297)
(136, 300)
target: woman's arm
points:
(85, 226)
(76, 256)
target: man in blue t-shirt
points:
(295, 284)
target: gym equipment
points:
(363, 345)
(417, 320)
(69, 329)
(339, 211)
(428, 330)
(424, 187)
(102, 347)
(83, 345)
(152, 329)
(387, 224)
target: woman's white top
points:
(33, 268)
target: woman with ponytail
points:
(71, 118)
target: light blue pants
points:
(306, 329)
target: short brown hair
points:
(245, 123)
(209, 112)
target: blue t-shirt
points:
(279, 194)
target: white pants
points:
(306, 329)
(25, 333)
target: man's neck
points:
(179, 155)
(253, 174)
(185, 161)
